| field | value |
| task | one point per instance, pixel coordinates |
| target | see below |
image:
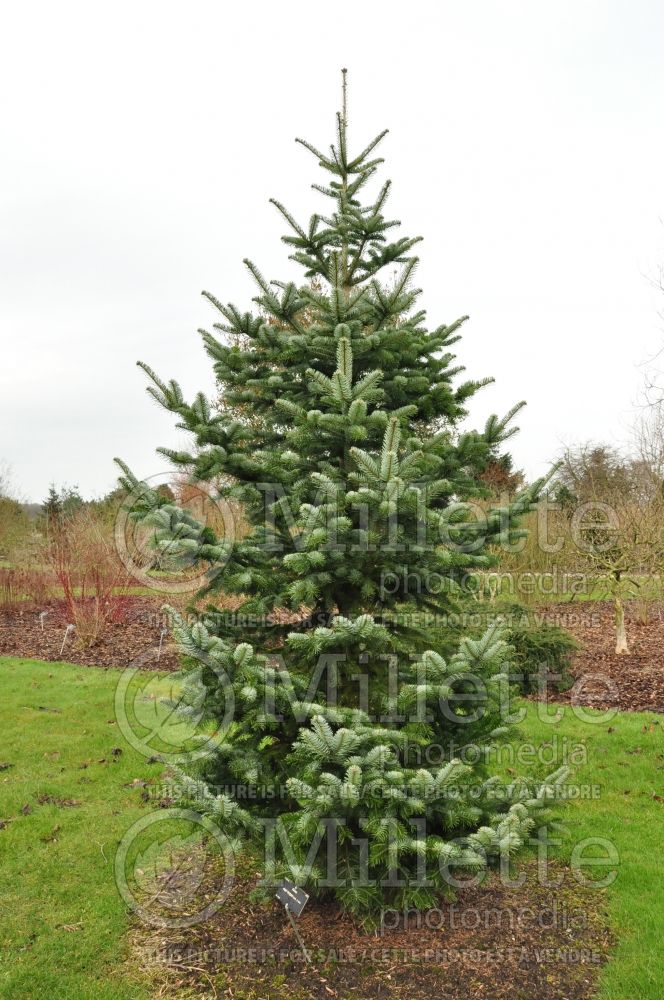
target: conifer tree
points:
(52, 507)
(338, 435)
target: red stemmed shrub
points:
(81, 554)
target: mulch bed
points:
(634, 682)
(135, 634)
(527, 943)
(604, 680)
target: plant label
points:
(293, 898)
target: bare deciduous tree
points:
(616, 511)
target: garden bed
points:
(135, 632)
(634, 682)
(529, 943)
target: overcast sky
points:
(140, 143)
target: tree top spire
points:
(344, 97)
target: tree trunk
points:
(621, 634)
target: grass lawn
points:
(64, 925)
(63, 922)
(626, 763)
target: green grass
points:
(625, 760)
(56, 864)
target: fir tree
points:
(338, 435)
(52, 507)
(63, 503)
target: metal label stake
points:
(294, 900)
(70, 628)
(161, 640)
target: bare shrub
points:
(25, 584)
(94, 583)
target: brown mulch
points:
(135, 634)
(603, 680)
(528, 943)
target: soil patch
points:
(602, 679)
(527, 943)
(135, 632)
